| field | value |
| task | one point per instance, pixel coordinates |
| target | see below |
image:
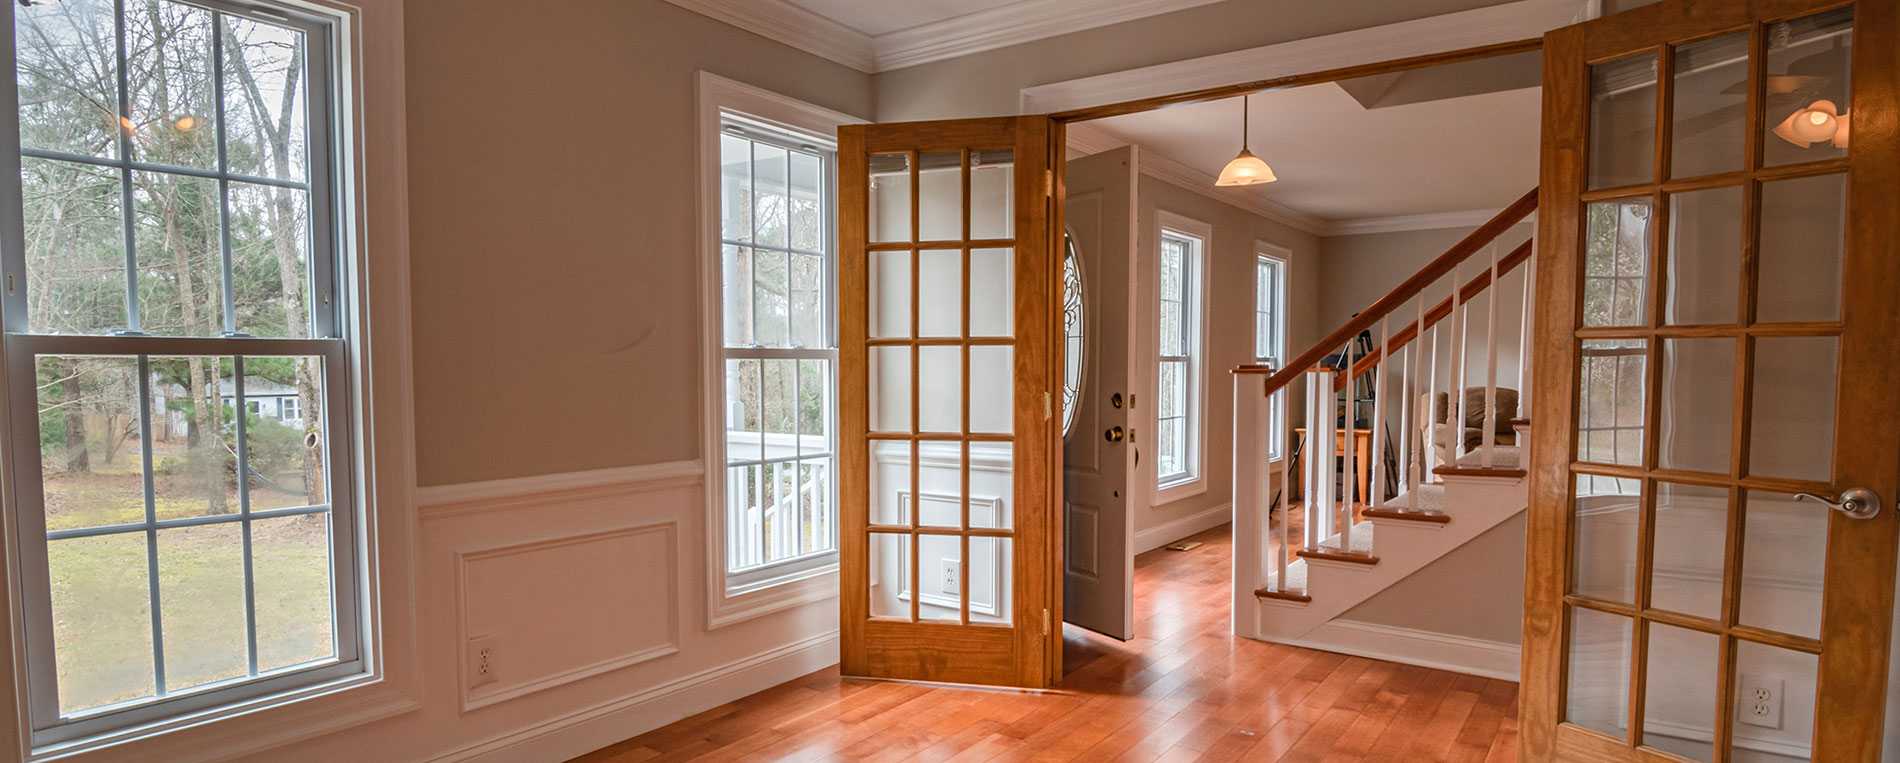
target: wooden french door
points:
(950, 369)
(1718, 334)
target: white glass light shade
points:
(1820, 122)
(1246, 169)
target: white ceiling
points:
(876, 17)
(1339, 161)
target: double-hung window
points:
(779, 350)
(1269, 324)
(176, 246)
(1182, 248)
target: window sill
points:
(736, 603)
(244, 727)
(1179, 490)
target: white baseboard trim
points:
(592, 728)
(1442, 651)
(1163, 534)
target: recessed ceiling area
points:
(1425, 142)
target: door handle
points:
(1859, 503)
(1114, 434)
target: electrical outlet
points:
(952, 580)
(1760, 701)
(483, 661)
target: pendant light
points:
(1245, 169)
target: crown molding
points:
(786, 23)
(975, 32)
(1509, 22)
(1013, 24)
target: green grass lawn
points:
(102, 617)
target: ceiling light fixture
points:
(1245, 169)
(1820, 122)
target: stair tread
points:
(1503, 457)
(1430, 498)
(1361, 541)
(1295, 577)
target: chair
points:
(1432, 421)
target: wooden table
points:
(1361, 456)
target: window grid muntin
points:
(1181, 253)
(739, 470)
(324, 214)
(1739, 482)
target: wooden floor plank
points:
(1184, 689)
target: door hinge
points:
(1048, 411)
(1049, 182)
(1045, 622)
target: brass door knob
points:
(1114, 434)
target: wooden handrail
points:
(1410, 331)
(1458, 253)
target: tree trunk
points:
(69, 398)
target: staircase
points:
(1350, 546)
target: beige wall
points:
(1476, 591)
(990, 83)
(1229, 338)
(552, 162)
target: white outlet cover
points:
(1759, 703)
(477, 671)
(952, 581)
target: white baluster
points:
(1430, 450)
(1416, 462)
(1375, 492)
(1455, 397)
(1286, 488)
(1524, 347)
(1321, 443)
(1487, 455)
(1309, 471)
(1350, 430)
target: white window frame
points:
(366, 109)
(735, 597)
(1270, 345)
(1170, 488)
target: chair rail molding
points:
(439, 501)
(1509, 22)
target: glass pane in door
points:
(1711, 100)
(1623, 122)
(1808, 100)
(1774, 701)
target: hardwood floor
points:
(1184, 689)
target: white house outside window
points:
(775, 209)
(1269, 337)
(1178, 402)
(176, 248)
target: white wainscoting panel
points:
(569, 608)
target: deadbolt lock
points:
(1115, 400)
(1114, 434)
